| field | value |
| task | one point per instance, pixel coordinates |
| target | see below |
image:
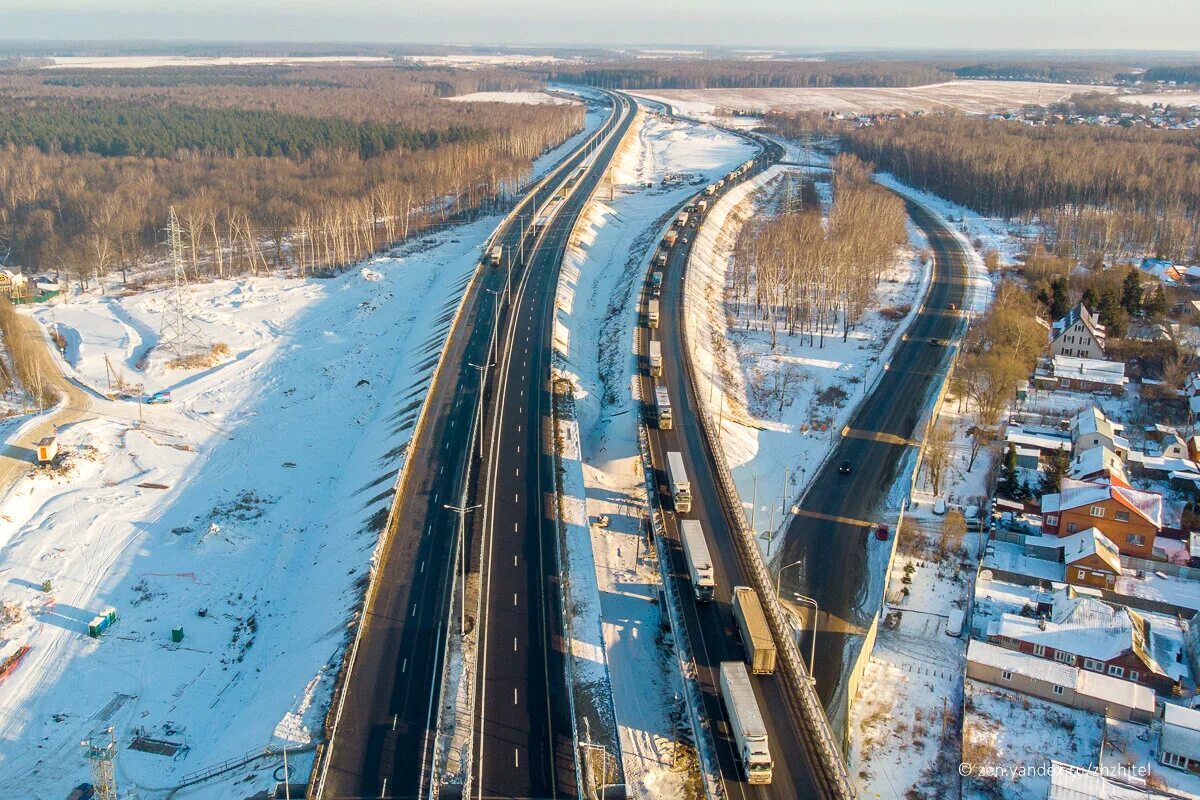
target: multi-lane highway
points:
(523, 734)
(384, 719)
(710, 627)
(830, 534)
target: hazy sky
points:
(817, 24)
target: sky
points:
(814, 24)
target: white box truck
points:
(756, 636)
(681, 487)
(662, 402)
(496, 255)
(652, 313)
(700, 566)
(656, 363)
(746, 723)
(681, 220)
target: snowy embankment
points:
(246, 512)
(524, 98)
(615, 610)
(779, 408)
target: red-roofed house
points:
(1131, 519)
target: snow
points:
(818, 384)
(968, 96)
(526, 98)
(602, 275)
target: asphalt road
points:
(523, 734)
(383, 728)
(834, 554)
(711, 628)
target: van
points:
(954, 622)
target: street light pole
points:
(812, 653)
(483, 368)
(462, 560)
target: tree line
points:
(86, 215)
(740, 73)
(1100, 191)
(803, 277)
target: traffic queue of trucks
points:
(737, 692)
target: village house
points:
(1165, 271)
(1099, 465)
(1078, 334)
(1081, 375)
(1087, 633)
(1091, 428)
(1059, 683)
(1091, 559)
(1128, 517)
(1179, 738)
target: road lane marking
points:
(514, 598)
(877, 436)
(862, 523)
(404, 666)
(514, 692)
(514, 644)
(516, 758)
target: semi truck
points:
(682, 219)
(670, 239)
(700, 566)
(496, 255)
(656, 278)
(752, 625)
(681, 487)
(662, 402)
(710, 190)
(652, 317)
(702, 206)
(746, 723)
(656, 362)
(661, 258)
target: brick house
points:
(1091, 559)
(1089, 634)
(1130, 518)
(1078, 334)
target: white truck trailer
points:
(746, 723)
(681, 487)
(756, 636)
(496, 255)
(656, 362)
(700, 566)
(652, 313)
(662, 403)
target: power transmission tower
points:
(101, 753)
(178, 332)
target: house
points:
(1128, 517)
(1165, 271)
(13, 285)
(1077, 334)
(1091, 559)
(1082, 375)
(1068, 782)
(1100, 465)
(1059, 683)
(1158, 467)
(1085, 632)
(1091, 428)
(1042, 439)
(1179, 738)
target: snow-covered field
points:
(474, 60)
(970, 96)
(527, 98)
(144, 62)
(602, 276)
(1165, 98)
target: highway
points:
(710, 627)
(833, 554)
(523, 732)
(382, 723)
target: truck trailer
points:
(682, 219)
(652, 314)
(656, 362)
(681, 487)
(700, 566)
(752, 625)
(746, 723)
(670, 239)
(496, 255)
(662, 405)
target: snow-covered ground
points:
(969, 96)
(527, 98)
(602, 276)
(779, 408)
(245, 512)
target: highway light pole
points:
(483, 368)
(812, 652)
(462, 561)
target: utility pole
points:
(462, 512)
(178, 332)
(483, 368)
(101, 752)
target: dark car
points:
(936, 342)
(845, 468)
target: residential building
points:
(1068, 782)
(1165, 271)
(1091, 428)
(1059, 683)
(1077, 334)
(1100, 465)
(1111, 640)
(1179, 738)
(1082, 375)
(1130, 518)
(1091, 559)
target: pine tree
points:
(1131, 292)
(1112, 316)
(1157, 305)
(1060, 302)
(1090, 299)
(1057, 466)
(1009, 478)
